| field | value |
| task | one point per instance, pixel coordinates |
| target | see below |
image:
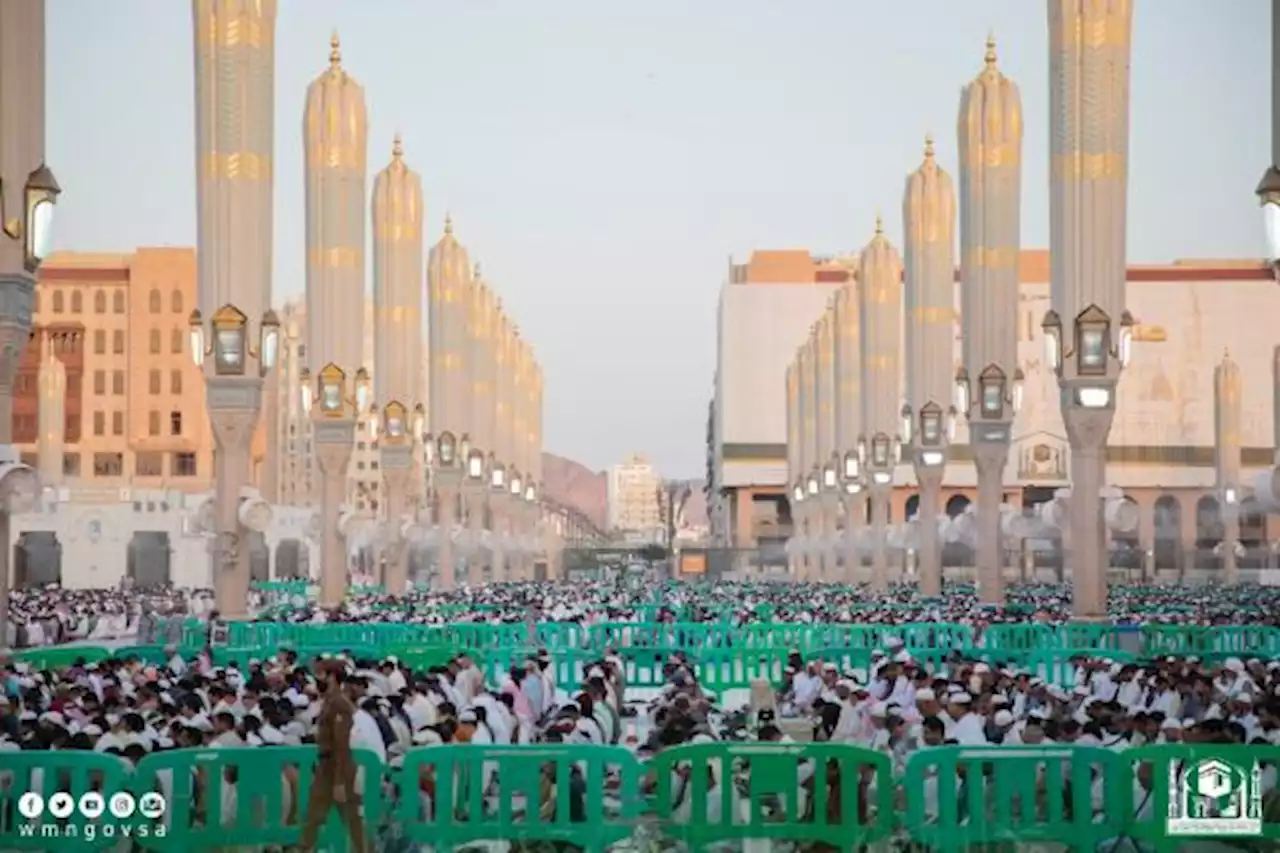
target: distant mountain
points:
(576, 485)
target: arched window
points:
(77, 302)
(176, 340)
(155, 300)
(155, 341)
(57, 302)
(100, 302)
(176, 299)
(117, 302)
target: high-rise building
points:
(134, 408)
(636, 499)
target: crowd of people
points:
(900, 704)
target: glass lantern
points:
(229, 345)
(332, 390)
(447, 448)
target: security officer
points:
(334, 782)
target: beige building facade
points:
(636, 498)
(134, 407)
(1161, 449)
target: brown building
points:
(135, 413)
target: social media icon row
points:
(92, 805)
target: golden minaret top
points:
(335, 53)
(397, 147)
(928, 146)
(990, 59)
(448, 223)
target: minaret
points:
(235, 138)
(1088, 327)
(51, 426)
(929, 217)
(880, 315)
(334, 133)
(844, 308)
(397, 277)
(989, 132)
(502, 388)
(1227, 418)
(483, 379)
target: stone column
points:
(234, 404)
(448, 496)
(930, 479)
(397, 470)
(52, 416)
(1228, 419)
(855, 515)
(498, 503)
(880, 496)
(333, 441)
(1087, 431)
(474, 496)
(990, 459)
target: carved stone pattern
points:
(333, 458)
(233, 428)
(1088, 428)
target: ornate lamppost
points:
(334, 408)
(855, 513)
(234, 399)
(397, 430)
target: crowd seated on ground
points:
(900, 704)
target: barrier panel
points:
(234, 797)
(587, 796)
(713, 793)
(58, 657)
(838, 795)
(958, 796)
(1216, 642)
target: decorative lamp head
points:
(1015, 398)
(1052, 327)
(1124, 350)
(797, 493)
(305, 389)
(195, 336)
(446, 449)
(419, 423)
(475, 465)
(364, 390)
(991, 385)
(40, 195)
(498, 477)
(829, 478)
(229, 345)
(931, 426)
(517, 484)
(852, 466)
(530, 493)
(268, 342)
(332, 391)
(962, 399)
(464, 447)
(880, 450)
(1093, 341)
(393, 421)
(906, 427)
(811, 485)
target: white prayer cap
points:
(926, 694)
(961, 698)
(1003, 718)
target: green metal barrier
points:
(713, 793)
(58, 657)
(76, 773)
(581, 795)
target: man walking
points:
(334, 782)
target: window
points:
(71, 464)
(25, 428)
(175, 381)
(117, 382)
(57, 302)
(149, 464)
(175, 300)
(153, 422)
(108, 464)
(99, 342)
(184, 465)
(77, 302)
(117, 302)
(99, 423)
(117, 423)
(99, 302)
(71, 427)
(154, 300)
(175, 423)
(99, 382)
(117, 342)
(176, 337)
(155, 341)
(153, 382)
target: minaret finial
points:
(475, 273)
(928, 146)
(335, 51)
(397, 146)
(990, 58)
(879, 224)
(448, 223)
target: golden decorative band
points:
(237, 166)
(932, 314)
(881, 362)
(1078, 165)
(994, 155)
(1097, 31)
(340, 257)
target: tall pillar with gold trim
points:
(397, 340)
(504, 461)
(1227, 422)
(988, 384)
(51, 381)
(880, 445)
(795, 495)
(929, 219)
(810, 518)
(235, 94)
(1088, 329)
(480, 342)
(829, 498)
(849, 426)
(448, 286)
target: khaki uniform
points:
(335, 769)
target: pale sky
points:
(604, 159)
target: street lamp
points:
(1269, 197)
(223, 349)
(334, 409)
(35, 226)
(397, 430)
